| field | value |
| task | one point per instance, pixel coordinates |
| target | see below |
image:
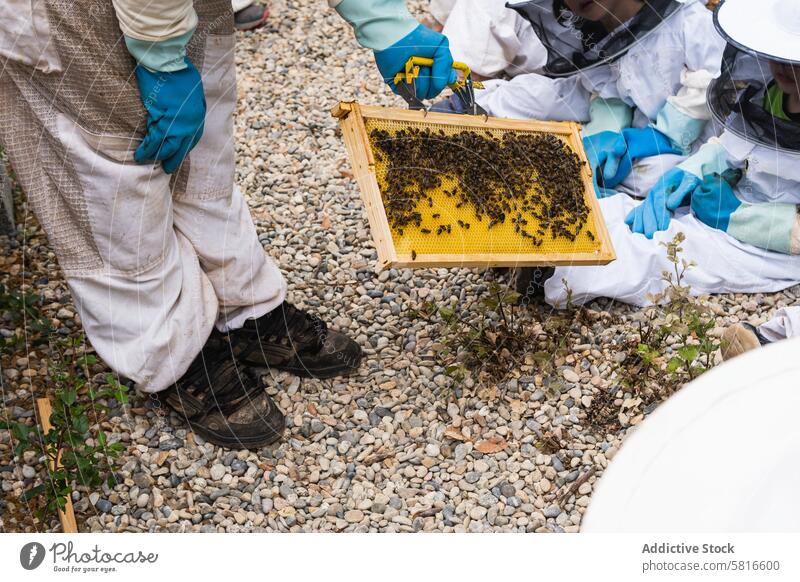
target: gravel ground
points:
(392, 448)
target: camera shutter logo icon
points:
(31, 555)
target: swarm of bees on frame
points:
(507, 178)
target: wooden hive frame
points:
(351, 118)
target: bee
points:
(590, 234)
(413, 255)
(424, 231)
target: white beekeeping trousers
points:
(153, 261)
(724, 265)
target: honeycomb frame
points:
(395, 250)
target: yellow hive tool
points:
(463, 88)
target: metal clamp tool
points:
(463, 88)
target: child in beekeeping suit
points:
(736, 199)
(493, 39)
(634, 73)
(102, 103)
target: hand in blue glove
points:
(420, 42)
(606, 154)
(176, 110)
(645, 142)
(670, 192)
(713, 202)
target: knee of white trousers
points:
(150, 326)
(247, 282)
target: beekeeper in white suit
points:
(117, 118)
(491, 38)
(617, 65)
(634, 73)
(736, 199)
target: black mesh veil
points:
(737, 100)
(574, 44)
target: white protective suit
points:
(724, 265)
(492, 39)
(153, 261)
(669, 69)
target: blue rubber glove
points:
(669, 193)
(645, 142)
(176, 110)
(713, 202)
(606, 154)
(420, 42)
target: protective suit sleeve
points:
(378, 24)
(156, 32)
(772, 226)
(710, 159)
(685, 114)
(608, 115)
(534, 96)
(484, 34)
(156, 20)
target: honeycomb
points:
(478, 238)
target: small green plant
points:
(22, 309)
(75, 445)
(674, 344)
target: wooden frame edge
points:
(67, 515)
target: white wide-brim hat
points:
(698, 464)
(767, 28)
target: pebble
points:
(218, 472)
(353, 516)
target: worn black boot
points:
(529, 282)
(296, 341)
(225, 403)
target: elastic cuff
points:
(608, 115)
(378, 24)
(165, 56)
(770, 226)
(681, 129)
(710, 159)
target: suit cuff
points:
(710, 159)
(378, 24)
(681, 129)
(155, 21)
(165, 56)
(608, 115)
(771, 226)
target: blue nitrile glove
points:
(669, 193)
(713, 202)
(622, 151)
(673, 188)
(176, 110)
(645, 142)
(420, 42)
(770, 226)
(387, 27)
(605, 152)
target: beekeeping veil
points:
(757, 32)
(574, 44)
